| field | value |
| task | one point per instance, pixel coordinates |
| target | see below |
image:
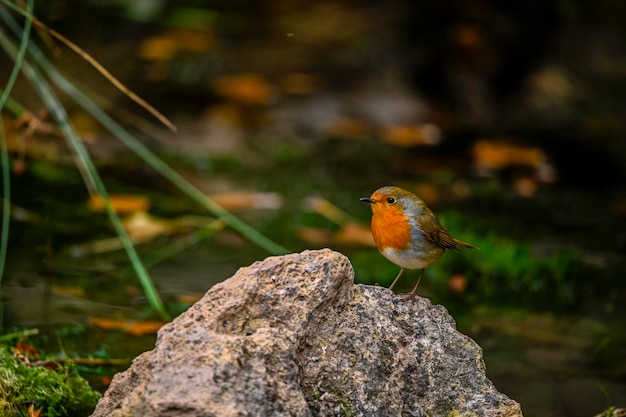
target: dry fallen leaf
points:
(142, 227)
(493, 155)
(122, 203)
(32, 412)
(412, 135)
(167, 45)
(134, 327)
(249, 89)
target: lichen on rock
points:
(294, 336)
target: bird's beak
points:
(367, 200)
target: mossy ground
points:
(56, 390)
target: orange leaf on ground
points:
(166, 46)
(247, 89)
(26, 350)
(32, 412)
(412, 135)
(123, 203)
(134, 327)
(494, 155)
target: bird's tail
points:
(464, 244)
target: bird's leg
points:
(397, 278)
(413, 292)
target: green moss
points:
(59, 392)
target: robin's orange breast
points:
(390, 228)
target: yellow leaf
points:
(69, 290)
(142, 227)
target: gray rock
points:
(293, 336)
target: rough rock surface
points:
(293, 336)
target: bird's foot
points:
(409, 296)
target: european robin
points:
(406, 232)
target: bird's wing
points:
(435, 233)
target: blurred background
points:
(507, 118)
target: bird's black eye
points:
(391, 200)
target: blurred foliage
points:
(505, 271)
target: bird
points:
(407, 232)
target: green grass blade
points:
(93, 181)
(148, 156)
(181, 245)
(58, 113)
(4, 153)
(154, 161)
(13, 106)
